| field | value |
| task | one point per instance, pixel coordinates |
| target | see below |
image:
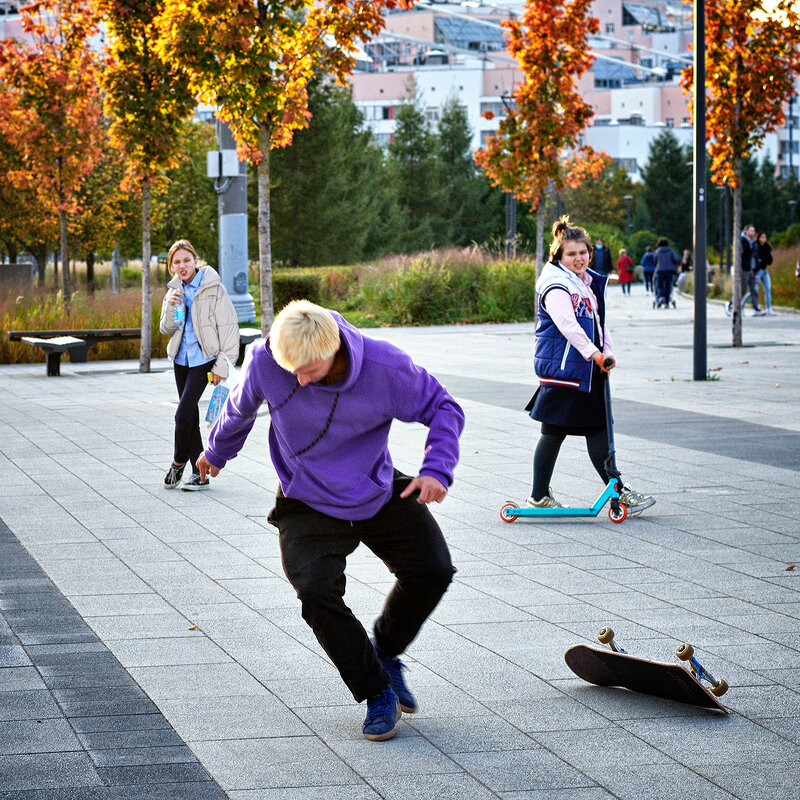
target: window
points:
(387, 112)
(609, 27)
(670, 122)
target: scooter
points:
(616, 512)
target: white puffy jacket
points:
(213, 318)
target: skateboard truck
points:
(606, 636)
(685, 652)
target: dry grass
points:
(43, 310)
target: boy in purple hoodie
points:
(332, 396)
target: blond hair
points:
(303, 332)
(181, 244)
(563, 232)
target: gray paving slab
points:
(188, 592)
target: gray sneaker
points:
(548, 501)
(173, 477)
(194, 484)
(760, 313)
(634, 501)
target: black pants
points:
(191, 382)
(546, 453)
(664, 282)
(314, 548)
(648, 281)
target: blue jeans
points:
(762, 276)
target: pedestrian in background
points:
(762, 273)
(667, 262)
(749, 250)
(686, 266)
(648, 268)
(601, 258)
(625, 270)
(200, 319)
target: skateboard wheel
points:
(505, 512)
(617, 515)
(719, 688)
(605, 635)
(684, 651)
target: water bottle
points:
(179, 314)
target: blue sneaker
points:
(394, 667)
(383, 714)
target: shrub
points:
(39, 310)
(789, 238)
(295, 284)
(638, 242)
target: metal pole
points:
(700, 209)
(511, 226)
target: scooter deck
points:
(510, 511)
(604, 667)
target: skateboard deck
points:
(604, 667)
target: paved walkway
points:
(150, 646)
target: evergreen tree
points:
(471, 207)
(601, 199)
(326, 186)
(415, 171)
(667, 189)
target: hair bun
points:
(560, 225)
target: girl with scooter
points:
(572, 358)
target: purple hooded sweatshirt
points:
(329, 443)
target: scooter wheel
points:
(505, 512)
(618, 515)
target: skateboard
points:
(616, 667)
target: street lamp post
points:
(700, 371)
(628, 199)
(792, 204)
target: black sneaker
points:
(173, 477)
(394, 667)
(194, 484)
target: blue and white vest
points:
(556, 362)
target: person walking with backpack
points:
(648, 268)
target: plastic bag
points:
(220, 394)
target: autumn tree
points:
(537, 142)
(253, 62)
(50, 107)
(752, 60)
(147, 99)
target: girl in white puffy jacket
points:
(204, 336)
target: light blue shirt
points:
(189, 353)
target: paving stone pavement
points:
(151, 647)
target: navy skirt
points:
(568, 411)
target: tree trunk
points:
(39, 251)
(736, 271)
(11, 246)
(115, 270)
(264, 244)
(65, 291)
(55, 269)
(147, 293)
(90, 271)
(540, 212)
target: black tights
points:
(546, 453)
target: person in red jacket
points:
(625, 270)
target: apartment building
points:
(456, 49)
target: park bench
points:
(246, 336)
(75, 342)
